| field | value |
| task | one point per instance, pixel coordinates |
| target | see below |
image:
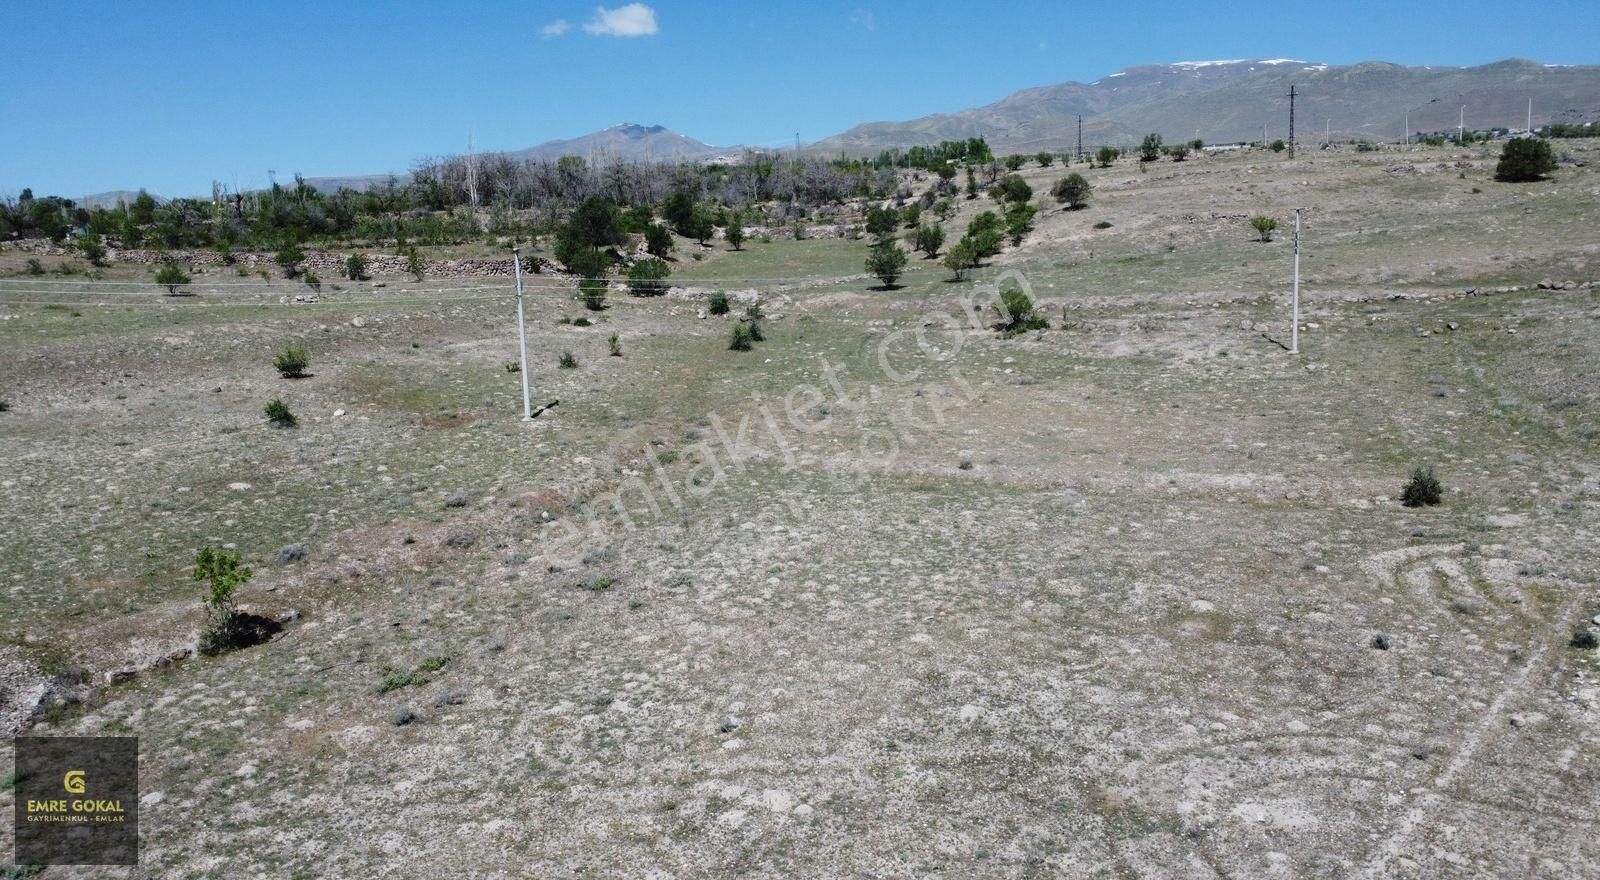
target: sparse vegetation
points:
(289, 257)
(929, 239)
(742, 338)
(648, 277)
(614, 343)
(355, 267)
(1150, 148)
(222, 574)
(567, 361)
(717, 303)
(1017, 312)
(886, 261)
(415, 267)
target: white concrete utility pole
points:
(522, 335)
(1294, 332)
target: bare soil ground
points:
(887, 596)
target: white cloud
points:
(864, 19)
(633, 20)
(555, 28)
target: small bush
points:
(291, 363)
(1584, 639)
(1264, 226)
(1017, 314)
(648, 277)
(1524, 159)
(227, 627)
(279, 415)
(567, 361)
(312, 281)
(615, 343)
(717, 304)
(1278, 146)
(513, 367)
(172, 277)
(1103, 224)
(5, 406)
(1073, 190)
(752, 318)
(401, 679)
(581, 322)
(289, 258)
(432, 664)
(1422, 489)
(35, 267)
(355, 267)
(415, 266)
(742, 339)
(593, 293)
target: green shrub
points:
(657, 241)
(1264, 226)
(961, 258)
(34, 266)
(222, 576)
(1422, 490)
(886, 260)
(1150, 148)
(514, 367)
(646, 277)
(567, 361)
(291, 363)
(735, 231)
(1103, 224)
(1278, 146)
(742, 339)
(355, 267)
(752, 318)
(1524, 159)
(398, 679)
(1073, 190)
(615, 343)
(278, 413)
(312, 281)
(5, 406)
(289, 258)
(929, 239)
(1106, 155)
(172, 277)
(415, 266)
(717, 303)
(1017, 313)
(593, 293)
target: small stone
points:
(457, 498)
(730, 724)
(1381, 641)
(1420, 753)
(1584, 639)
(291, 553)
(358, 322)
(448, 698)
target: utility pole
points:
(1291, 122)
(1530, 116)
(1407, 138)
(1327, 132)
(1263, 135)
(522, 335)
(1294, 332)
(1080, 138)
(472, 174)
(1461, 127)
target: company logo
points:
(59, 818)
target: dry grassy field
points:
(887, 596)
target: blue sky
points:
(170, 95)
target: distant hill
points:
(644, 143)
(1229, 100)
(111, 199)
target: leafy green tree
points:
(984, 233)
(882, 221)
(944, 209)
(972, 184)
(1073, 190)
(143, 209)
(699, 226)
(1278, 146)
(1017, 313)
(93, 249)
(911, 215)
(678, 210)
(1045, 158)
(414, 264)
(1524, 159)
(887, 261)
(596, 222)
(289, 258)
(172, 277)
(355, 267)
(657, 241)
(588, 262)
(1105, 156)
(1019, 221)
(735, 231)
(1014, 163)
(222, 574)
(1011, 188)
(929, 239)
(1197, 145)
(647, 277)
(1150, 148)
(961, 259)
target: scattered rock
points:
(457, 498)
(730, 724)
(1381, 641)
(403, 715)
